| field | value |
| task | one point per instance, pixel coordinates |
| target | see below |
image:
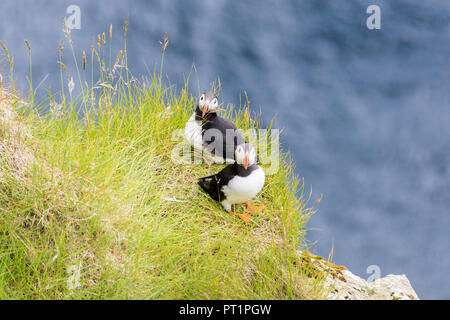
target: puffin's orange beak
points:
(205, 107)
(246, 161)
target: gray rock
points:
(352, 287)
(344, 285)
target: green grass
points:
(96, 198)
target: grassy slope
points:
(94, 198)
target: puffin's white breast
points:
(193, 132)
(241, 189)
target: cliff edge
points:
(93, 220)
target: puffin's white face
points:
(245, 155)
(207, 102)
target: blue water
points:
(366, 112)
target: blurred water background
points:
(366, 112)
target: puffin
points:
(237, 183)
(205, 126)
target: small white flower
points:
(56, 109)
(166, 113)
(173, 199)
(71, 85)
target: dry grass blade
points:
(84, 61)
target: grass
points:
(88, 210)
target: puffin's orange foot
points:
(247, 217)
(250, 208)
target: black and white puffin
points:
(211, 134)
(237, 183)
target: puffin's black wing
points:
(231, 136)
(210, 187)
(213, 184)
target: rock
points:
(344, 285)
(391, 287)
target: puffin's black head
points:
(207, 102)
(245, 155)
